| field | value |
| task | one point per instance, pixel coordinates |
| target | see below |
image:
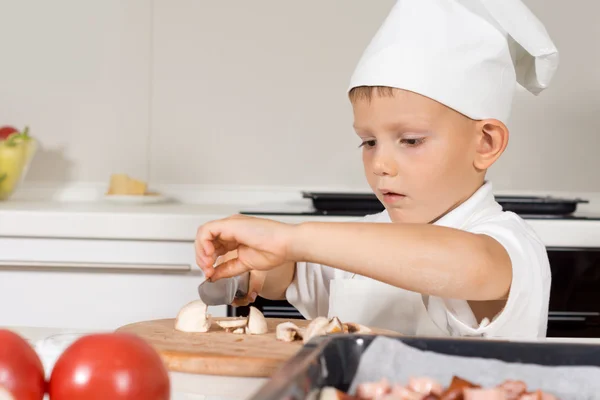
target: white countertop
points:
(174, 221)
(179, 221)
(41, 211)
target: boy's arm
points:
(277, 281)
(428, 259)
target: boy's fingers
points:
(255, 285)
(250, 298)
(204, 262)
(208, 247)
(228, 269)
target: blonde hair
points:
(367, 92)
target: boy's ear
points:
(492, 140)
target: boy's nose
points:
(384, 165)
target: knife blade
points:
(224, 291)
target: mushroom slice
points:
(335, 326)
(193, 317)
(232, 324)
(331, 393)
(257, 324)
(352, 327)
(317, 327)
(5, 394)
(288, 332)
(241, 330)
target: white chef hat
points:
(466, 54)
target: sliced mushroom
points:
(257, 325)
(5, 394)
(241, 330)
(352, 327)
(193, 317)
(335, 326)
(317, 327)
(232, 324)
(331, 393)
(288, 332)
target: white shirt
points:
(319, 290)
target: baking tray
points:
(539, 205)
(367, 203)
(333, 360)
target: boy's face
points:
(418, 154)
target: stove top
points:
(360, 204)
(357, 213)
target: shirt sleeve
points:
(525, 314)
(309, 291)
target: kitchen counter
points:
(80, 211)
(173, 221)
(183, 386)
(177, 221)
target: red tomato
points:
(6, 131)
(109, 366)
(21, 370)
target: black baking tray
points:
(367, 203)
(333, 360)
(532, 205)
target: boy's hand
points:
(261, 245)
(255, 284)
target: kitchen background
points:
(213, 93)
(232, 108)
(227, 104)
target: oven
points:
(572, 244)
(575, 293)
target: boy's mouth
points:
(391, 197)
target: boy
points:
(431, 96)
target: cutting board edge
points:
(218, 366)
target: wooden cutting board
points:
(217, 352)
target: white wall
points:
(78, 73)
(196, 91)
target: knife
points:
(224, 291)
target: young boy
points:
(431, 96)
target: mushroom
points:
(331, 393)
(317, 327)
(5, 394)
(240, 330)
(335, 326)
(288, 332)
(257, 325)
(233, 324)
(193, 317)
(352, 327)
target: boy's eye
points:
(412, 142)
(368, 143)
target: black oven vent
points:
(269, 308)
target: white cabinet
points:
(99, 266)
(95, 284)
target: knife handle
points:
(243, 285)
